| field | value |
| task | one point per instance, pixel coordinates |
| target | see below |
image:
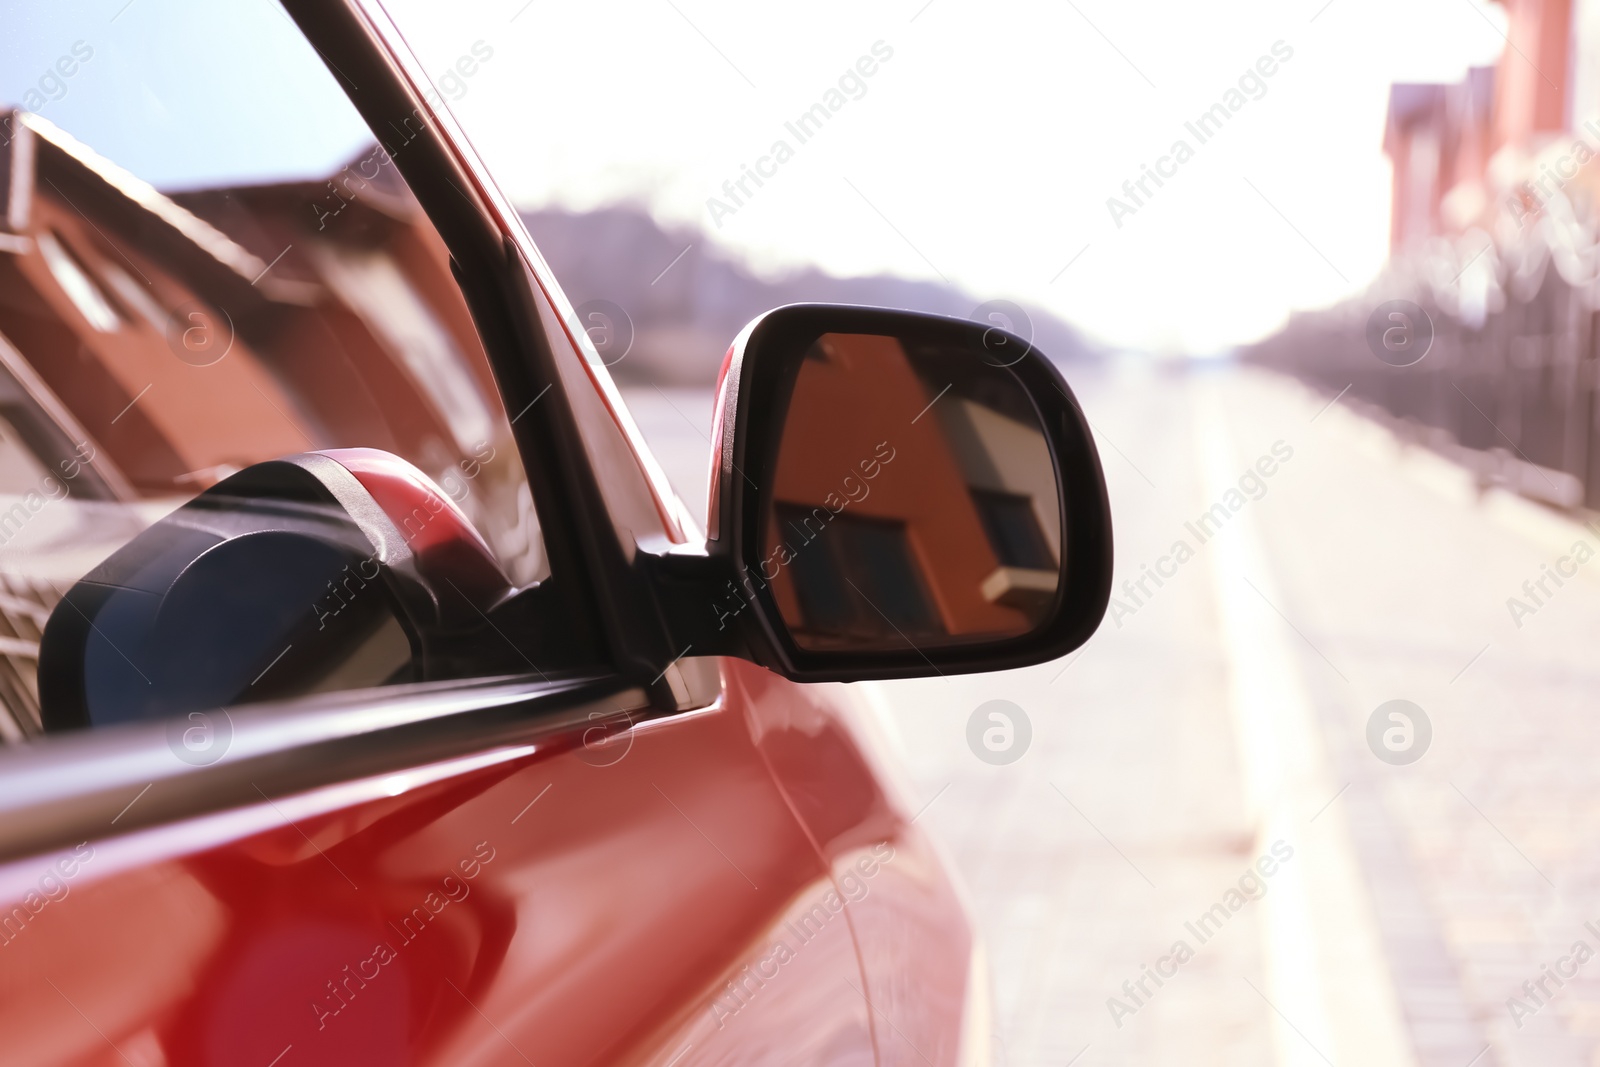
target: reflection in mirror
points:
(914, 501)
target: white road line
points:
(1326, 977)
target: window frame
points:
(73, 787)
(603, 500)
(62, 788)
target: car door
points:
(546, 850)
(926, 979)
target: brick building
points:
(1499, 146)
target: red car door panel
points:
(911, 927)
(540, 901)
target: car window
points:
(207, 262)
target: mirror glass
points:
(914, 502)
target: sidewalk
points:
(1479, 857)
(1388, 578)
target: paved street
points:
(1199, 797)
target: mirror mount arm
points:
(701, 605)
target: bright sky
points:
(985, 149)
(163, 88)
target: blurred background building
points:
(1494, 223)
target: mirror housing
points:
(994, 550)
(322, 571)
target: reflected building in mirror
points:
(915, 499)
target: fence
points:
(1509, 381)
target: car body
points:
(630, 852)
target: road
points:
(1200, 858)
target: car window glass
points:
(207, 262)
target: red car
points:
(368, 696)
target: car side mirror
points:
(322, 571)
(902, 494)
